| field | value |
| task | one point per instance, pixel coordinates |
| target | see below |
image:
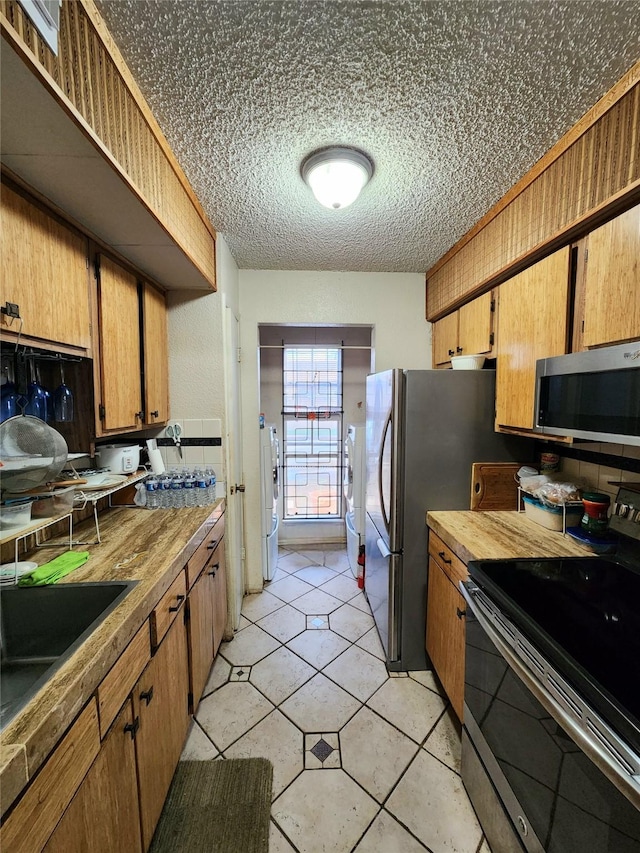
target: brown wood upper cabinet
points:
(532, 323)
(612, 282)
(467, 331)
(45, 273)
(133, 383)
(119, 389)
(156, 357)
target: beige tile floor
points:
(364, 762)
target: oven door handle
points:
(614, 770)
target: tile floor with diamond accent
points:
(364, 761)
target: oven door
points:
(553, 782)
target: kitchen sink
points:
(41, 627)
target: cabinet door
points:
(45, 272)
(156, 358)
(219, 597)
(532, 324)
(474, 326)
(104, 815)
(445, 338)
(201, 607)
(160, 702)
(119, 323)
(612, 281)
(446, 634)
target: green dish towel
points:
(52, 571)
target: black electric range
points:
(584, 616)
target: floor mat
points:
(220, 806)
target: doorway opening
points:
(312, 386)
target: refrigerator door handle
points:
(383, 508)
(382, 547)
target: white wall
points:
(196, 352)
(392, 303)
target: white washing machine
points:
(354, 491)
(270, 479)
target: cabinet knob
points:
(460, 613)
(139, 416)
(213, 545)
(458, 349)
(174, 608)
(451, 352)
(214, 569)
(154, 414)
(133, 727)
(443, 558)
(147, 695)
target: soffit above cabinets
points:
(47, 149)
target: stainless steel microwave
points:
(593, 394)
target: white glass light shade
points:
(337, 175)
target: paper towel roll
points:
(155, 460)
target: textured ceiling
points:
(454, 101)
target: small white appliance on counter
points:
(354, 491)
(119, 458)
(270, 481)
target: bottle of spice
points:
(596, 510)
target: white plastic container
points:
(468, 362)
(120, 459)
(550, 517)
(15, 515)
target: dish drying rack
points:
(82, 497)
(34, 528)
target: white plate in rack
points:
(9, 571)
(105, 483)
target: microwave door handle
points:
(628, 783)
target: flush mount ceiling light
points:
(336, 175)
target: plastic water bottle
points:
(190, 490)
(164, 490)
(151, 489)
(202, 492)
(177, 491)
(210, 474)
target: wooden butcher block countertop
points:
(500, 535)
(149, 547)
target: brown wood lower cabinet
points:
(207, 620)
(446, 633)
(219, 597)
(103, 796)
(103, 816)
(200, 635)
(160, 701)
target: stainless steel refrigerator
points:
(424, 429)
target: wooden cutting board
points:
(493, 485)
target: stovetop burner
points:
(584, 615)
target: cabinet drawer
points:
(167, 608)
(451, 565)
(122, 677)
(204, 551)
(34, 818)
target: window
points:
(312, 432)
